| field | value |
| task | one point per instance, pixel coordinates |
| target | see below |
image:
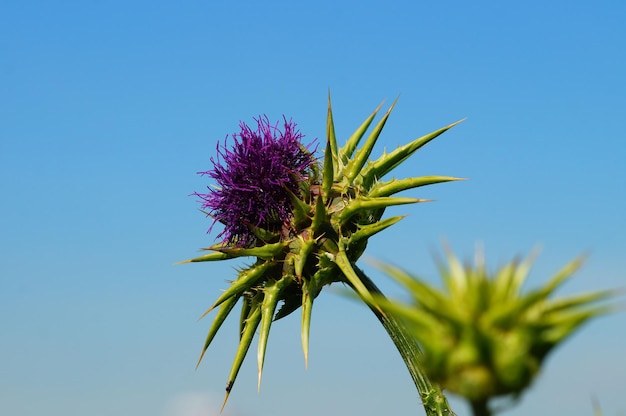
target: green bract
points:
(337, 209)
(482, 336)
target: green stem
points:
(480, 408)
(434, 401)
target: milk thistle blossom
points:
(255, 179)
(306, 224)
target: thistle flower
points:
(481, 336)
(255, 179)
(306, 224)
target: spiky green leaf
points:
(271, 295)
(346, 267)
(357, 205)
(246, 280)
(219, 319)
(251, 325)
(216, 256)
(331, 155)
(346, 152)
(388, 162)
(354, 166)
(265, 252)
(366, 231)
(394, 186)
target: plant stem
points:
(434, 401)
(480, 408)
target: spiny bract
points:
(481, 336)
(335, 208)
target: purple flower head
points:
(254, 178)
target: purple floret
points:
(253, 177)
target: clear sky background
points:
(108, 110)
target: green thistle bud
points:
(332, 211)
(481, 336)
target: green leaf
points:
(345, 265)
(309, 292)
(245, 281)
(306, 247)
(394, 186)
(357, 205)
(508, 281)
(366, 231)
(563, 327)
(346, 152)
(251, 324)
(542, 294)
(215, 256)
(578, 301)
(328, 174)
(265, 252)
(417, 319)
(388, 162)
(271, 295)
(262, 234)
(454, 275)
(301, 210)
(426, 297)
(562, 275)
(221, 315)
(354, 166)
(331, 153)
(320, 216)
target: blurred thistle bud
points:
(481, 336)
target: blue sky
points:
(107, 110)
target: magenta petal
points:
(253, 178)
